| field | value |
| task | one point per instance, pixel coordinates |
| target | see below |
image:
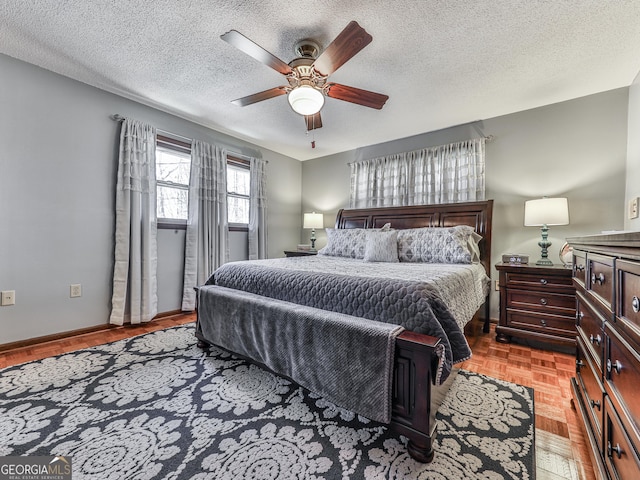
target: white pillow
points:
(381, 246)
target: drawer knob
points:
(635, 304)
(543, 301)
(595, 404)
(543, 322)
(617, 366)
(595, 340)
(579, 268)
(617, 449)
(597, 279)
(579, 364)
(543, 281)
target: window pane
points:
(238, 180)
(172, 202)
(238, 210)
(172, 166)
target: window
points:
(173, 166)
(238, 192)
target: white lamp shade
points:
(313, 220)
(306, 100)
(546, 211)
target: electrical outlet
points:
(76, 290)
(8, 297)
(497, 286)
(633, 208)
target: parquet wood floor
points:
(561, 448)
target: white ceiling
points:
(442, 62)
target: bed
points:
(302, 300)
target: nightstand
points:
(537, 303)
(299, 253)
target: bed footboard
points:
(413, 414)
(413, 411)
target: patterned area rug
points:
(156, 406)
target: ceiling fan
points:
(308, 73)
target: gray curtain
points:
(444, 174)
(207, 236)
(134, 299)
(258, 210)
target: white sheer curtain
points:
(207, 237)
(258, 210)
(134, 296)
(445, 174)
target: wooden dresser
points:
(537, 303)
(606, 388)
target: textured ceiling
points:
(442, 63)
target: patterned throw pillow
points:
(436, 245)
(348, 242)
(382, 246)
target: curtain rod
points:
(119, 118)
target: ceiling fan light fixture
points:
(306, 100)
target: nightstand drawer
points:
(542, 301)
(542, 323)
(539, 281)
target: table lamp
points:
(542, 213)
(313, 220)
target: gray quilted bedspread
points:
(415, 306)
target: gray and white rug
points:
(156, 406)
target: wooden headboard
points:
(474, 214)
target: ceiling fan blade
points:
(254, 50)
(356, 95)
(258, 97)
(348, 43)
(313, 121)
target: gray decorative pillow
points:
(436, 245)
(382, 246)
(348, 242)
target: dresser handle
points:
(617, 366)
(595, 404)
(617, 449)
(579, 363)
(543, 323)
(599, 279)
(635, 304)
(543, 281)
(543, 301)
(595, 340)
(579, 268)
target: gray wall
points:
(575, 149)
(57, 190)
(633, 153)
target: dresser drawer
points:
(591, 390)
(600, 279)
(556, 325)
(580, 267)
(542, 301)
(619, 454)
(540, 281)
(622, 383)
(628, 295)
(590, 325)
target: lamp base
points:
(545, 262)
